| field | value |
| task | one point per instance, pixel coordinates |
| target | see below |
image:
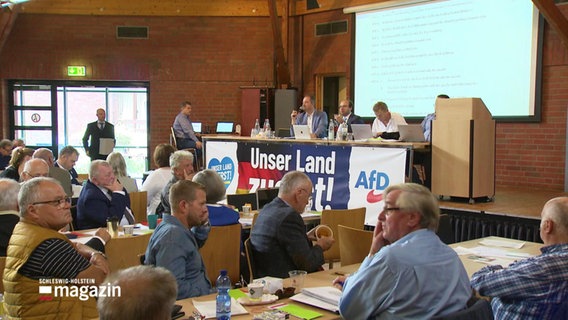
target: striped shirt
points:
(532, 288)
(54, 258)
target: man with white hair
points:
(103, 197)
(533, 288)
(34, 168)
(181, 164)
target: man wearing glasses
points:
(409, 273)
(279, 240)
(39, 254)
(34, 168)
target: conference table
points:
(474, 254)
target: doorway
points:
(331, 89)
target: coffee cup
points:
(255, 291)
(128, 230)
(323, 231)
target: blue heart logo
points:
(225, 168)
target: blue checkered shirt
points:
(532, 288)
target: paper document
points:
(208, 308)
(106, 145)
(322, 297)
(502, 243)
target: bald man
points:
(59, 174)
(536, 287)
(34, 168)
(95, 131)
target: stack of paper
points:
(322, 297)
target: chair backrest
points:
(173, 140)
(354, 218)
(83, 176)
(222, 250)
(138, 204)
(354, 244)
(480, 310)
(2, 266)
(124, 252)
(445, 231)
(239, 199)
(250, 259)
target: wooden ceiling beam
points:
(555, 18)
(7, 20)
(282, 70)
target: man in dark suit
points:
(68, 157)
(102, 197)
(315, 119)
(9, 216)
(280, 243)
(97, 130)
(346, 115)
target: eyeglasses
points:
(36, 175)
(308, 192)
(389, 211)
(56, 203)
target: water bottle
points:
(266, 128)
(342, 132)
(223, 310)
(256, 129)
(330, 130)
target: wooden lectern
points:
(463, 150)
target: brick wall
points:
(205, 60)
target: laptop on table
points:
(361, 131)
(302, 131)
(196, 127)
(224, 127)
(411, 133)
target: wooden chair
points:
(138, 205)
(354, 244)
(250, 259)
(2, 266)
(83, 176)
(354, 218)
(222, 250)
(124, 252)
(173, 142)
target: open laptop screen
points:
(196, 127)
(224, 127)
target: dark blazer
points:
(319, 123)
(353, 118)
(96, 134)
(280, 243)
(93, 206)
(10, 173)
(8, 220)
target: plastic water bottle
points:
(256, 129)
(223, 310)
(330, 130)
(342, 132)
(266, 128)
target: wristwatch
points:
(98, 252)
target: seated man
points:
(346, 115)
(279, 240)
(9, 216)
(175, 243)
(181, 164)
(37, 251)
(68, 156)
(5, 153)
(409, 273)
(536, 287)
(102, 197)
(183, 129)
(386, 123)
(59, 174)
(34, 168)
(137, 300)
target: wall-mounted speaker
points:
(312, 4)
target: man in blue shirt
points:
(175, 243)
(409, 273)
(533, 288)
(183, 128)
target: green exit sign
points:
(76, 71)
